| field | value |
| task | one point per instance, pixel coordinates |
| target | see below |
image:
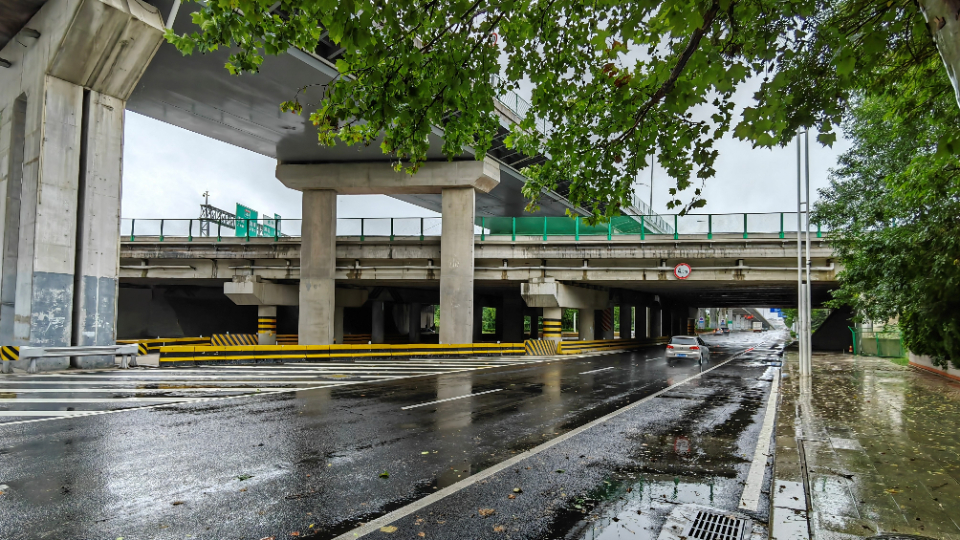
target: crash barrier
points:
(540, 347)
(580, 347)
(192, 355)
(127, 352)
(233, 340)
(147, 346)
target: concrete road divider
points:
(540, 347)
(233, 340)
(153, 345)
(580, 347)
(194, 355)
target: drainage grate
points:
(708, 526)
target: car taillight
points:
(669, 346)
(695, 348)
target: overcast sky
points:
(166, 170)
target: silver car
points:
(687, 347)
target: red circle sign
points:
(682, 271)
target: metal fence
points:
(781, 224)
(883, 343)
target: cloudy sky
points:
(167, 169)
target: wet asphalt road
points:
(316, 462)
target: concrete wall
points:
(924, 363)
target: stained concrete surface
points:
(880, 452)
(312, 462)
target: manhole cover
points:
(710, 526)
(691, 521)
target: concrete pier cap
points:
(379, 178)
(550, 293)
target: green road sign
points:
(270, 225)
(244, 216)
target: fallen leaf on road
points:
(269, 538)
(242, 477)
(295, 533)
(388, 529)
(484, 512)
(422, 534)
(517, 490)
(176, 503)
(422, 453)
(892, 491)
(243, 489)
(511, 496)
(384, 474)
(499, 528)
(560, 471)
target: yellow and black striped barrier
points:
(551, 328)
(147, 346)
(191, 355)
(580, 347)
(267, 325)
(233, 340)
(540, 347)
(9, 353)
(287, 339)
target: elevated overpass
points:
(386, 270)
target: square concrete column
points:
(512, 317)
(318, 262)
(413, 322)
(640, 324)
(338, 314)
(267, 325)
(456, 265)
(552, 318)
(656, 321)
(606, 323)
(626, 321)
(376, 322)
(587, 320)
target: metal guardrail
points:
(676, 226)
(128, 354)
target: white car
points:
(687, 347)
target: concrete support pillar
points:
(318, 261)
(338, 313)
(456, 265)
(656, 321)
(587, 321)
(512, 317)
(626, 321)
(413, 322)
(477, 320)
(551, 323)
(376, 326)
(606, 323)
(267, 325)
(640, 324)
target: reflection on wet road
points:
(321, 462)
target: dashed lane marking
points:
(448, 399)
(595, 370)
(48, 396)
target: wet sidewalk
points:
(868, 448)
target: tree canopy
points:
(893, 207)
(616, 83)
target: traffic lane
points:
(619, 479)
(270, 462)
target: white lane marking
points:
(750, 500)
(207, 399)
(448, 399)
(58, 414)
(596, 370)
(98, 400)
(196, 383)
(387, 519)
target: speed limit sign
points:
(682, 271)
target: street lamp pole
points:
(804, 296)
(809, 299)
